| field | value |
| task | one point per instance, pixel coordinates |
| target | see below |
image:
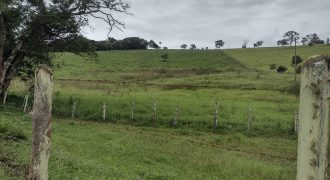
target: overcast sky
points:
(201, 22)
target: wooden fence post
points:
(26, 100)
(41, 123)
(104, 111)
(250, 120)
(4, 99)
(176, 117)
(154, 116)
(73, 112)
(314, 119)
(216, 115)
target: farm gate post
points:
(41, 124)
(314, 119)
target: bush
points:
(282, 69)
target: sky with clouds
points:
(175, 22)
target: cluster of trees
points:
(129, 43)
(218, 45)
(291, 37)
(31, 29)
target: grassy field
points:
(125, 148)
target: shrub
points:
(282, 69)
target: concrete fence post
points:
(73, 112)
(216, 115)
(314, 119)
(132, 110)
(176, 116)
(41, 124)
(250, 120)
(104, 111)
(26, 100)
(154, 116)
(296, 121)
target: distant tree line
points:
(130, 43)
(291, 37)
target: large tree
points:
(291, 37)
(219, 44)
(31, 29)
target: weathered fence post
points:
(176, 117)
(314, 119)
(4, 99)
(132, 110)
(104, 111)
(26, 100)
(73, 112)
(41, 124)
(154, 116)
(250, 119)
(216, 115)
(296, 121)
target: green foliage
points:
(282, 69)
(219, 44)
(296, 60)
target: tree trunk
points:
(10, 65)
(2, 48)
(41, 123)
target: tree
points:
(282, 42)
(219, 44)
(245, 43)
(164, 57)
(193, 47)
(328, 41)
(184, 46)
(314, 39)
(291, 37)
(31, 29)
(153, 45)
(258, 44)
